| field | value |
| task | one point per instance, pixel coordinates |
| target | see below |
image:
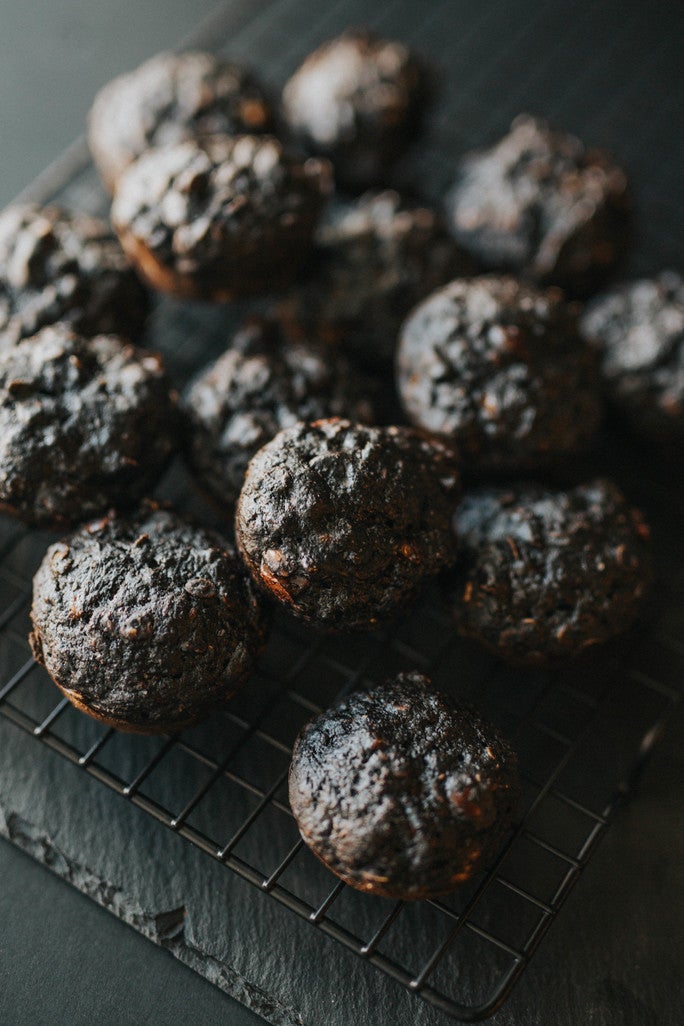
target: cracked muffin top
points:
(342, 523)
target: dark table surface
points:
(63, 960)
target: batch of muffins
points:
(476, 325)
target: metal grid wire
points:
(581, 735)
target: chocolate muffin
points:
(168, 99)
(544, 575)
(400, 792)
(638, 329)
(499, 369)
(538, 203)
(221, 218)
(145, 624)
(342, 523)
(57, 266)
(374, 259)
(358, 100)
(84, 424)
(262, 383)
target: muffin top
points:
(265, 381)
(201, 206)
(540, 204)
(499, 369)
(58, 266)
(544, 575)
(400, 792)
(171, 98)
(375, 257)
(342, 522)
(638, 330)
(146, 621)
(358, 100)
(85, 424)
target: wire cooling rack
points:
(582, 735)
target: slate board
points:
(153, 879)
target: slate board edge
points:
(166, 929)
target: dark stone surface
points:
(38, 910)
